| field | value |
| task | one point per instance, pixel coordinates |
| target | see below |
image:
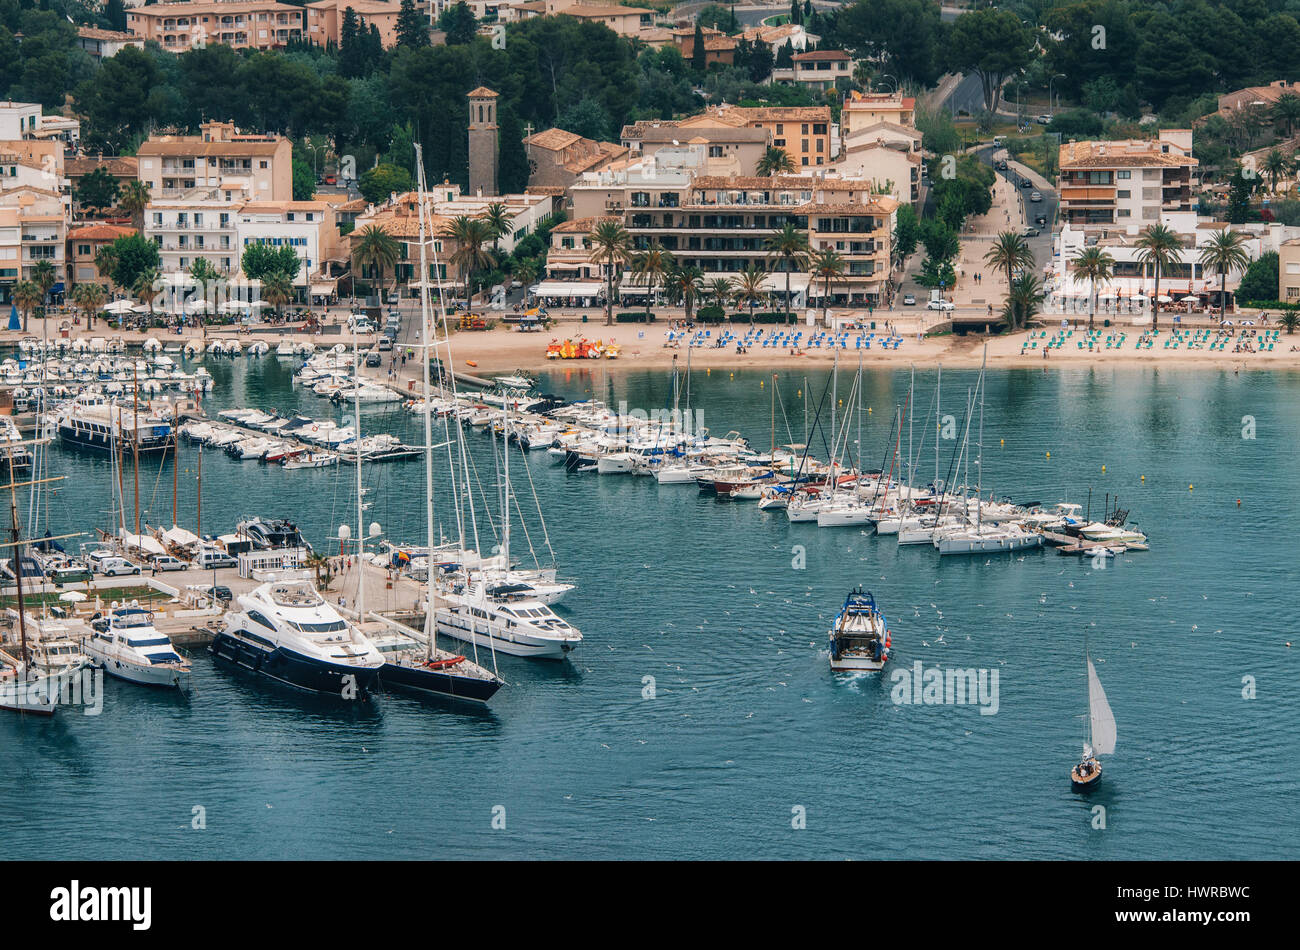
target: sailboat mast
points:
(198, 518)
(176, 469)
(361, 538)
(18, 571)
(505, 487)
(135, 447)
(938, 422)
(426, 331)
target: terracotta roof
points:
(193, 145)
(553, 139)
(99, 232)
(482, 92)
(94, 33)
(821, 54)
(586, 10)
(550, 191)
(772, 113)
(119, 166)
(1120, 154)
(256, 206)
(232, 7)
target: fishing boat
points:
(859, 635)
(310, 460)
(1101, 735)
(126, 644)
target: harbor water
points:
(699, 719)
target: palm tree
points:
(1275, 166)
(498, 218)
(469, 235)
(277, 289)
(684, 284)
(27, 297)
(649, 267)
(1287, 111)
(43, 277)
(789, 245)
(1158, 248)
(319, 563)
(1094, 265)
(133, 199)
(748, 288)
(610, 245)
(1010, 252)
(775, 161)
(1023, 301)
(1224, 252)
(1289, 320)
(106, 262)
(525, 271)
(718, 291)
(203, 273)
(89, 298)
(376, 248)
(143, 288)
(827, 264)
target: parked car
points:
(1035, 196)
(1030, 232)
(909, 300)
(941, 305)
(331, 179)
(373, 359)
(1026, 183)
(385, 343)
(1043, 119)
(220, 592)
(165, 562)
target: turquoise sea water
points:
(747, 722)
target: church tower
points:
(482, 141)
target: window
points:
(83, 250)
(715, 151)
(1125, 194)
(262, 164)
(1125, 175)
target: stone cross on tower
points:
(482, 141)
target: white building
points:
(306, 226)
(200, 224)
(24, 120)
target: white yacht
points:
(127, 645)
(509, 618)
(285, 630)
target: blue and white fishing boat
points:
(860, 635)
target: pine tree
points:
(514, 169)
(351, 60)
(115, 13)
(796, 12)
(785, 56)
(412, 28)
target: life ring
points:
(314, 428)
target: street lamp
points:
(1050, 110)
(889, 76)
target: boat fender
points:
(887, 641)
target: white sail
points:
(1103, 720)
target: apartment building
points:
(634, 22)
(571, 275)
(252, 167)
(325, 19)
(887, 154)
(718, 46)
(309, 227)
(84, 243)
(721, 224)
(33, 228)
(26, 120)
(803, 132)
(242, 24)
(1135, 181)
(199, 224)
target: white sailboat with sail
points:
(1101, 734)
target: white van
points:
(210, 558)
(110, 565)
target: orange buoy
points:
(470, 363)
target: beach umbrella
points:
(14, 322)
(1190, 299)
(72, 597)
(1164, 298)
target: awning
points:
(568, 288)
(775, 281)
(323, 290)
(566, 265)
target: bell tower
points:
(482, 141)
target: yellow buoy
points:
(1144, 478)
(1049, 454)
(1190, 487)
(708, 372)
(1002, 441)
(868, 410)
(799, 393)
(1103, 470)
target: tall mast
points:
(505, 487)
(135, 447)
(772, 451)
(979, 462)
(361, 538)
(198, 519)
(426, 335)
(18, 571)
(938, 422)
(176, 468)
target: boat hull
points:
(101, 441)
(489, 636)
(161, 676)
(293, 669)
(442, 682)
(1082, 783)
(854, 664)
